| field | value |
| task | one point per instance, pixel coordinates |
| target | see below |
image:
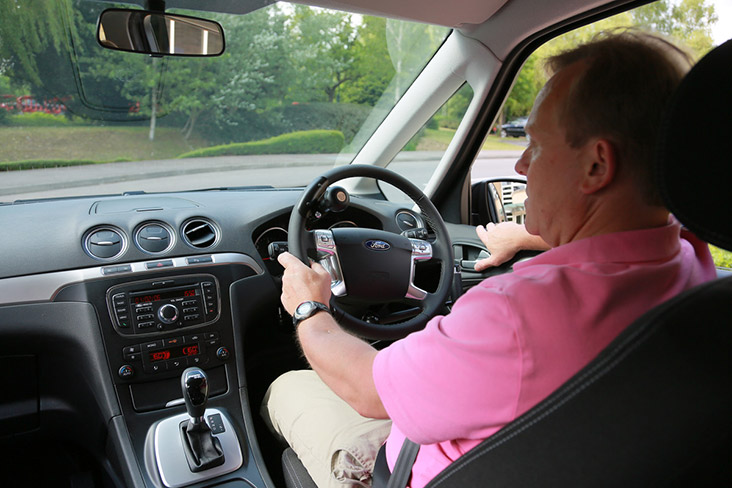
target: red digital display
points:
(156, 297)
(174, 352)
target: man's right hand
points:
(503, 241)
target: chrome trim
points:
(421, 251)
(143, 226)
(97, 228)
(328, 258)
(44, 287)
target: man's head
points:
(593, 131)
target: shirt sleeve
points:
(460, 377)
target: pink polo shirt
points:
(513, 339)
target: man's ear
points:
(600, 165)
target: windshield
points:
(297, 91)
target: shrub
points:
(344, 117)
(304, 142)
(721, 257)
(43, 163)
(38, 119)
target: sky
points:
(722, 30)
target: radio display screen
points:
(164, 295)
(174, 352)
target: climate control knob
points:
(168, 313)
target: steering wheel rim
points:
(442, 248)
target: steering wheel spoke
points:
(327, 255)
(421, 251)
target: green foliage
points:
(687, 21)
(38, 119)
(305, 142)
(721, 257)
(343, 117)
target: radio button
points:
(192, 338)
(189, 303)
(189, 318)
(145, 325)
(145, 317)
(149, 346)
(190, 310)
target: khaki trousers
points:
(336, 445)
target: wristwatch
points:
(306, 310)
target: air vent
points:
(154, 238)
(104, 243)
(200, 233)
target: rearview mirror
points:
(142, 31)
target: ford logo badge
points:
(376, 245)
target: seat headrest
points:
(694, 157)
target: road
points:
(227, 171)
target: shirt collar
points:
(654, 244)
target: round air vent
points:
(154, 237)
(104, 242)
(408, 221)
(200, 233)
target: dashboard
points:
(104, 301)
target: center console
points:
(158, 324)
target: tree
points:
(687, 21)
(371, 62)
(324, 59)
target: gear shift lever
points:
(202, 449)
(194, 384)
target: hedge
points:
(37, 119)
(43, 163)
(303, 142)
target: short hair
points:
(622, 96)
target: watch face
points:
(304, 308)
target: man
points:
(512, 340)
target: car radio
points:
(163, 305)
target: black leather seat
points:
(655, 407)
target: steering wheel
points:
(370, 265)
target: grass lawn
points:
(436, 139)
(91, 143)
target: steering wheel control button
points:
(223, 353)
(126, 372)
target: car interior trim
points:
(43, 287)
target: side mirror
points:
(142, 31)
(498, 200)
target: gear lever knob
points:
(194, 384)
